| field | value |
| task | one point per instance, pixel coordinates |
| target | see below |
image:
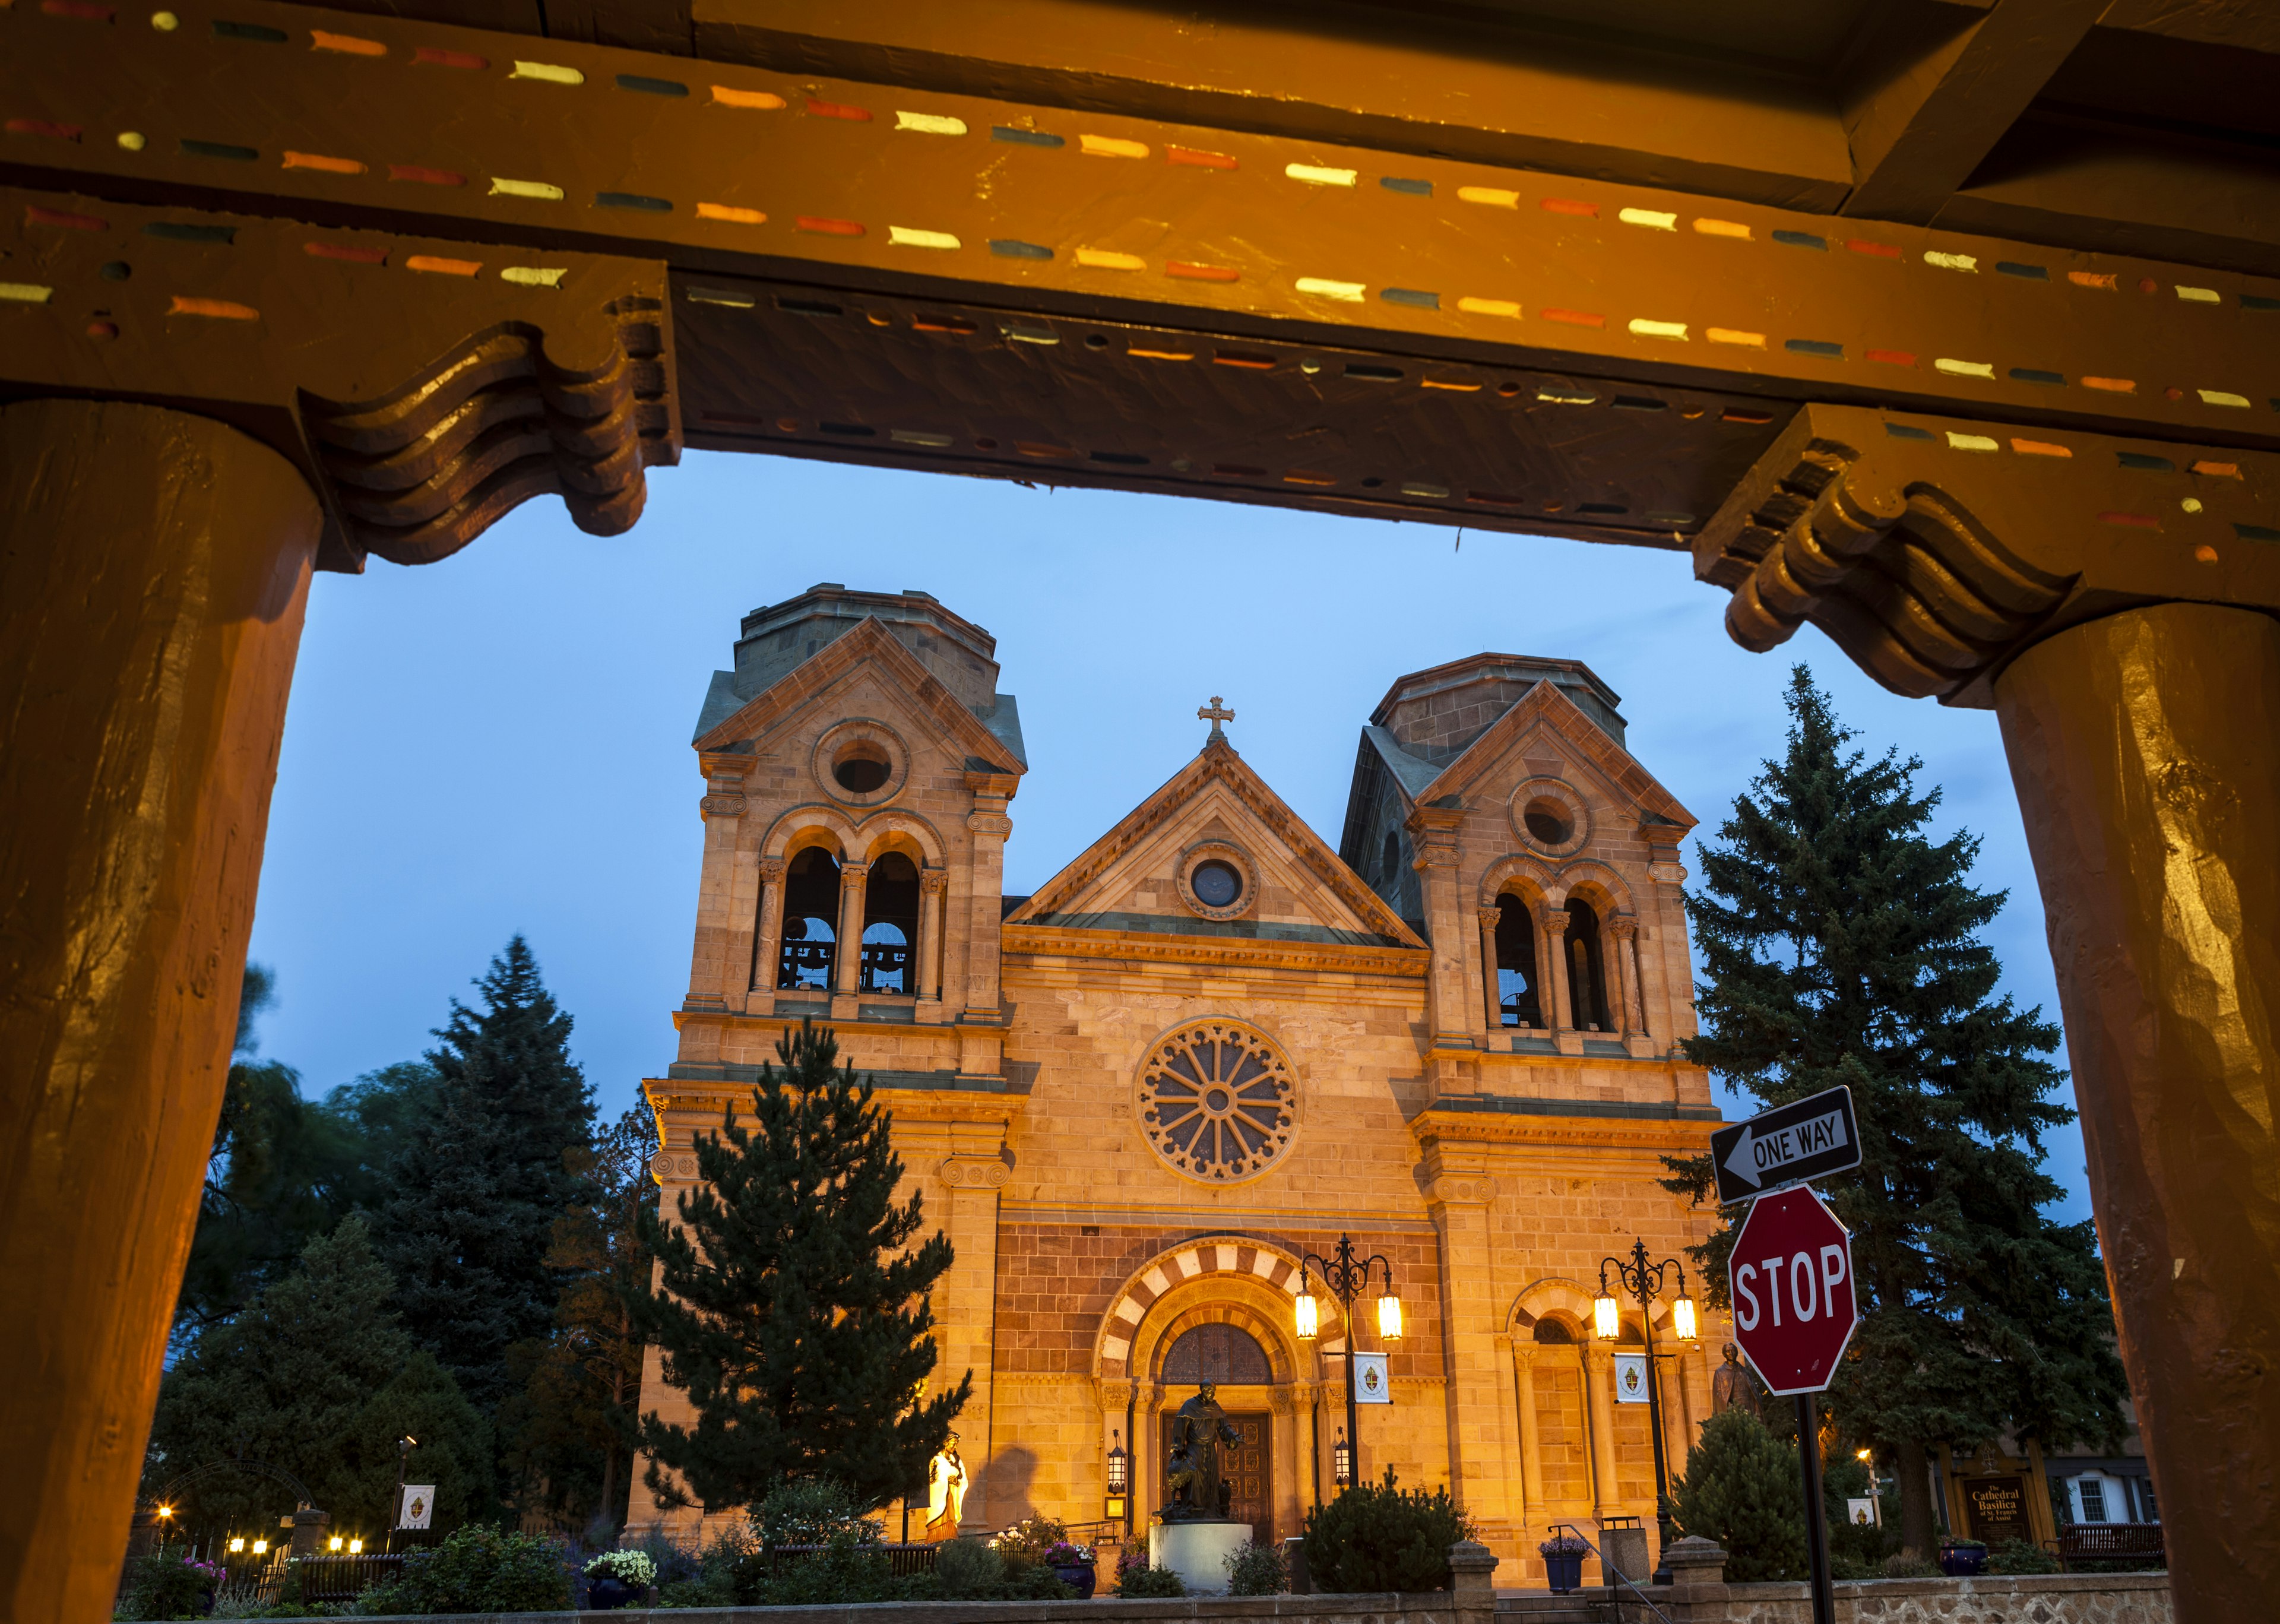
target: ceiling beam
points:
(1491, 94)
(1941, 87)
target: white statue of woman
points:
(945, 1491)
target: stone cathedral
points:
(1211, 1043)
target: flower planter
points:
(607, 1594)
(1962, 1561)
(1564, 1575)
(1081, 1580)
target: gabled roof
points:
(1545, 704)
(986, 749)
(1217, 765)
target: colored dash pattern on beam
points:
(1314, 170)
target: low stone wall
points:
(2040, 1598)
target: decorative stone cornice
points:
(974, 1171)
(934, 881)
(1064, 942)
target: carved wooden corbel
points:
(425, 389)
(1934, 551)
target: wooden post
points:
(154, 570)
(2145, 746)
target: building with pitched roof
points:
(1213, 1043)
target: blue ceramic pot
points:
(1079, 1579)
(609, 1592)
(1564, 1574)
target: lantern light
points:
(1119, 1466)
(166, 1512)
(237, 1543)
(260, 1547)
(1342, 1461)
(336, 1542)
(1308, 1314)
(1864, 1454)
(356, 1547)
(1682, 1319)
(1607, 1319)
(1389, 1318)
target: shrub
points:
(848, 1569)
(1028, 1540)
(1258, 1570)
(968, 1569)
(1136, 1579)
(813, 1511)
(165, 1583)
(2018, 1556)
(706, 1579)
(478, 1570)
(1742, 1489)
(1905, 1567)
(1376, 1536)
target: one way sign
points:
(1806, 1140)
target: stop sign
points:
(1790, 1279)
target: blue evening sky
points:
(500, 742)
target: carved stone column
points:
(1491, 983)
(1308, 1466)
(1532, 1441)
(982, 1051)
(2145, 746)
(1553, 922)
(847, 952)
(768, 944)
(154, 569)
(1623, 950)
(934, 885)
(1599, 1398)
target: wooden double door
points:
(1247, 1467)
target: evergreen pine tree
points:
(308, 1378)
(482, 1177)
(1742, 1488)
(785, 1306)
(1840, 945)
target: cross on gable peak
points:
(1215, 713)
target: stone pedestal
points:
(1625, 1551)
(1198, 1551)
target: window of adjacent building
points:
(811, 905)
(2089, 1492)
(1518, 1003)
(891, 925)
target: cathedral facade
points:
(1138, 1100)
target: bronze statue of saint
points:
(1735, 1384)
(1191, 1479)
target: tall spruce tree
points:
(1840, 944)
(785, 1305)
(479, 1179)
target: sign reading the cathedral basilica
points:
(1807, 1139)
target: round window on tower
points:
(1217, 881)
(1548, 814)
(861, 762)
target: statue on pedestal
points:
(1191, 1481)
(1735, 1384)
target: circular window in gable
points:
(1549, 815)
(1217, 881)
(1217, 1100)
(861, 762)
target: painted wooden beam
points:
(441, 132)
(1942, 91)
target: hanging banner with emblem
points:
(1372, 1385)
(419, 1505)
(1630, 1378)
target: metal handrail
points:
(1606, 1567)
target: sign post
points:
(1789, 1281)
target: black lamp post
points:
(1348, 1277)
(403, 1446)
(1643, 1281)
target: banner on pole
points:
(1372, 1385)
(1630, 1378)
(419, 1505)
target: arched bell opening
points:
(890, 926)
(810, 952)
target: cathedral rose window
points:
(1217, 1100)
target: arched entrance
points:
(1229, 1359)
